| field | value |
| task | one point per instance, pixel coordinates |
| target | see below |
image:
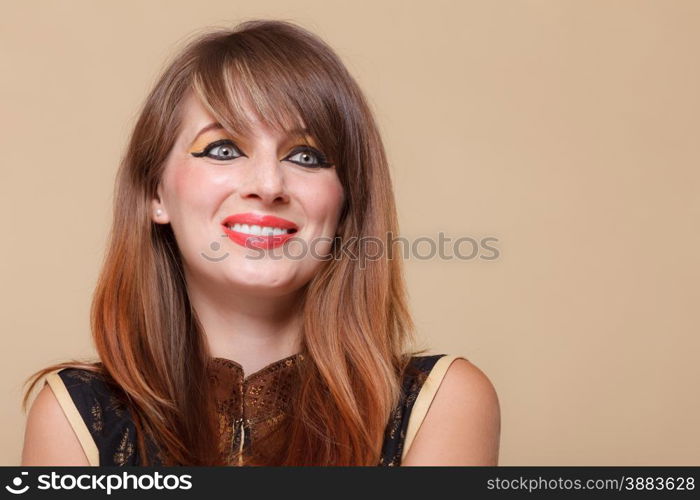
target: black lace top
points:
(263, 398)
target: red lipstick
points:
(259, 241)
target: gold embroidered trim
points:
(425, 398)
(76, 421)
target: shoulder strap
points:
(425, 398)
(76, 421)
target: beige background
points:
(567, 130)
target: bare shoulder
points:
(463, 423)
(49, 438)
(464, 382)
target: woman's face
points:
(208, 196)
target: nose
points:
(265, 180)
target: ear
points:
(159, 214)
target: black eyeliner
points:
(322, 160)
(211, 146)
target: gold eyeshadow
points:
(207, 138)
(214, 135)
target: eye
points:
(308, 157)
(223, 149)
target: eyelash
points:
(322, 161)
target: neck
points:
(252, 329)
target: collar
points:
(251, 409)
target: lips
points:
(259, 241)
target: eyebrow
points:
(301, 132)
(211, 126)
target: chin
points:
(260, 283)
(265, 290)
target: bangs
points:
(235, 82)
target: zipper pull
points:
(241, 423)
(240, 449)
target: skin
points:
(247, 307)
(49, 438)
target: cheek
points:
(323, 199)
(335, 199)
(198, 188)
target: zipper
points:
(240, 422)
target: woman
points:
(237, 319)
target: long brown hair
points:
(357, 329)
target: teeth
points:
(258, 230)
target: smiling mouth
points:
(256, 230)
